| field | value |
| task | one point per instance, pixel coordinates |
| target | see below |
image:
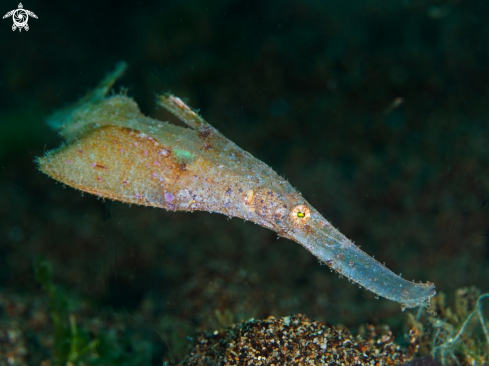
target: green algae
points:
(73, 344)
(456, 333)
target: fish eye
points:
(300, 214)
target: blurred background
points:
(375, 110)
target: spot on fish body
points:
(169, 197)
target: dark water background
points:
(309, 87)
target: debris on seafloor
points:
(296, 340)
(57, 327)
(115, 152)
(423, 361)
(457, 334)
(23, 324)
(13, 348)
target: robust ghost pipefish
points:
(113, 151)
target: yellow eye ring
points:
(300, 214)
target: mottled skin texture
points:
(115, 152)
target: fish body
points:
(115, 152)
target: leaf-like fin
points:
(59, 119)
(184, 113)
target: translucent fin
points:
(59, 119)
(179, 109)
